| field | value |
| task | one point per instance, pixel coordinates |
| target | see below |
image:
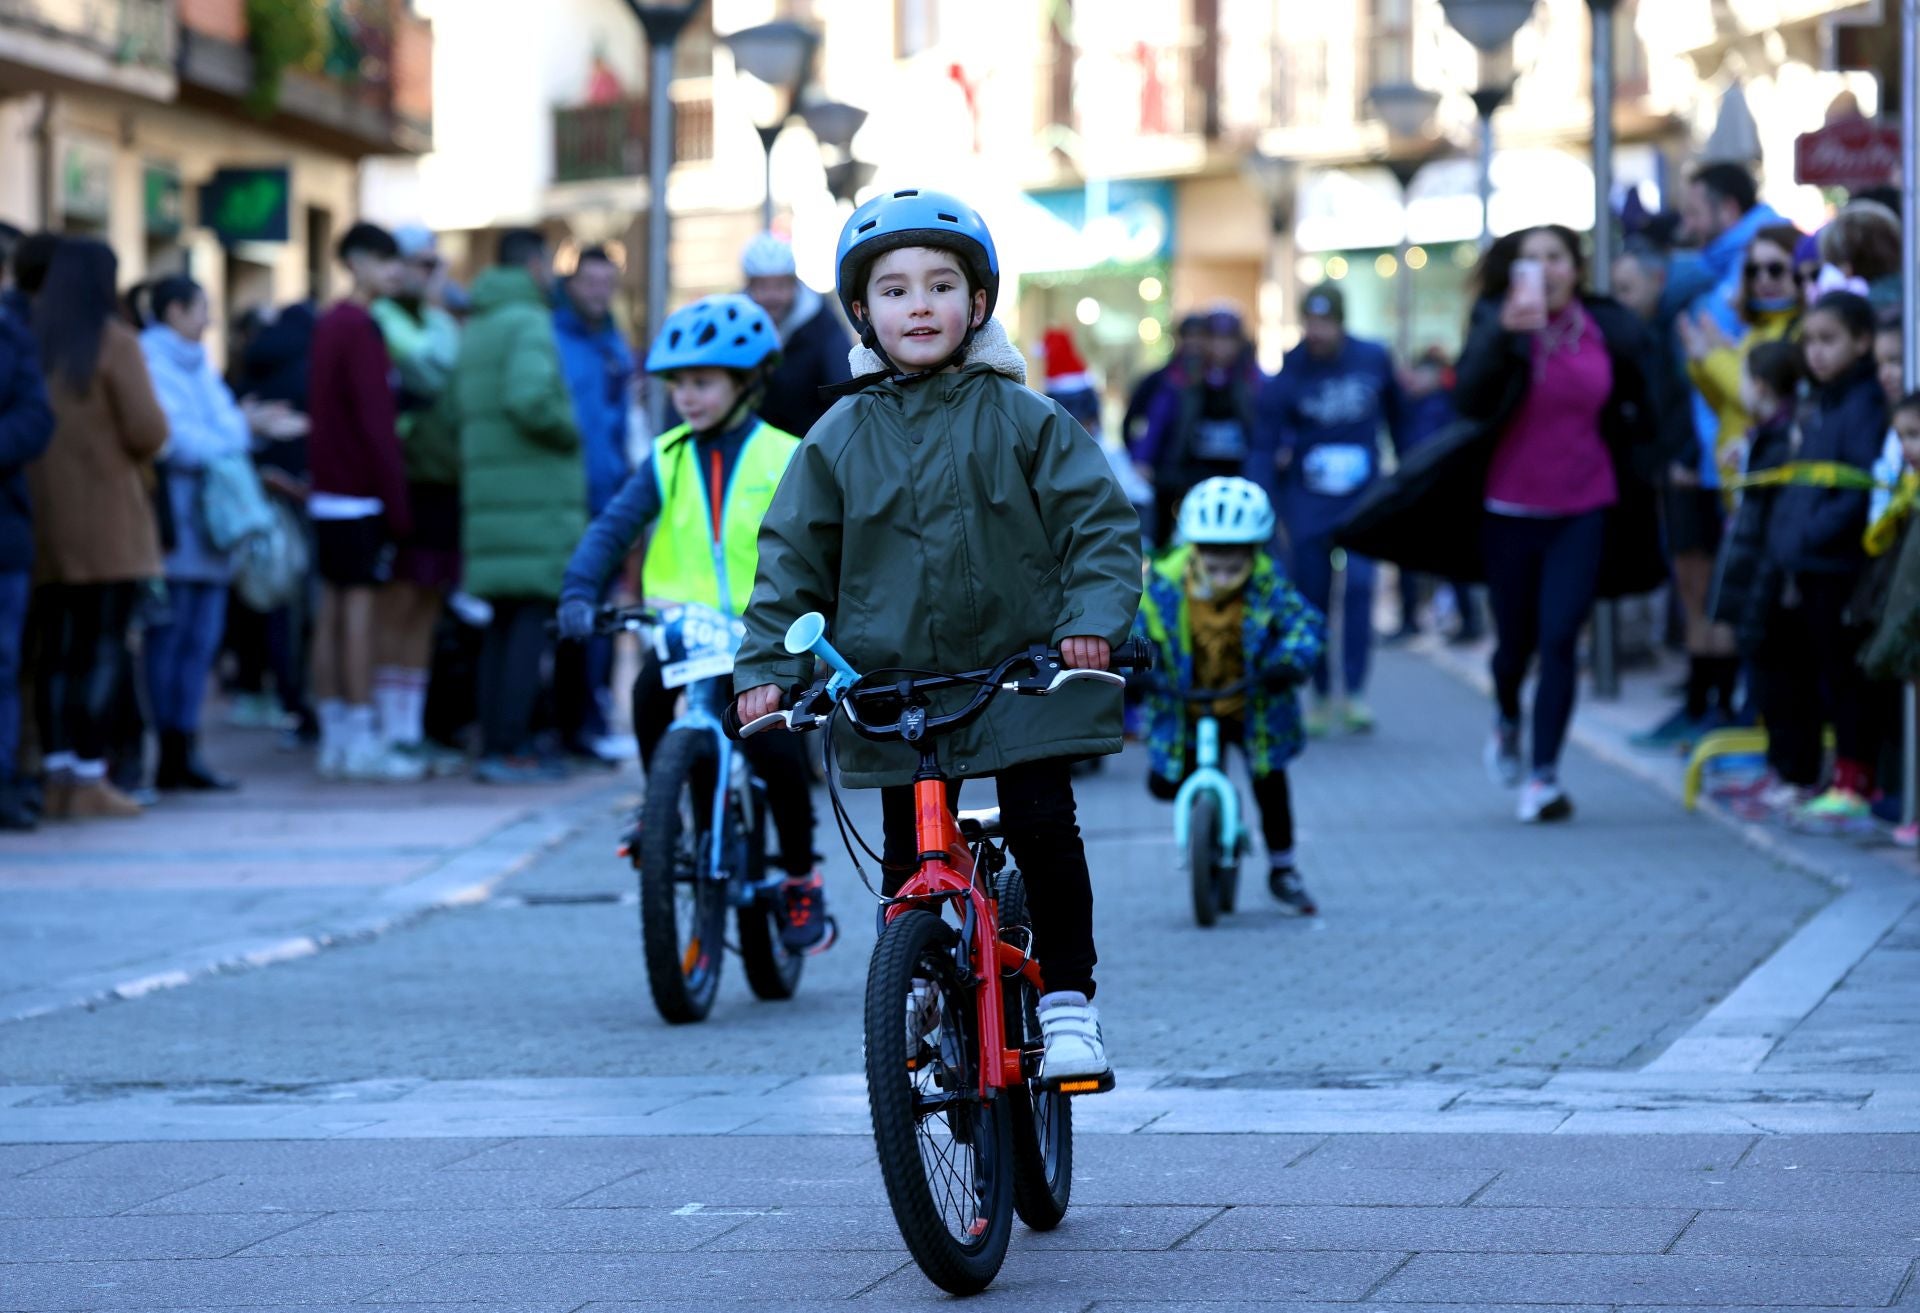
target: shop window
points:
(916, 27)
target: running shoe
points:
(805, 926)
(1543, 800)
(1285, 884)
(1776, 802)
(1502, 755)
(1837, 811)
(1906, 836)
(1358, 716)
(1319, 719)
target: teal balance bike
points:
(1209, 829)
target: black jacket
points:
(26, 426)
(813, 358)
(1743, 583)
(1818, 530)
(1427, 515)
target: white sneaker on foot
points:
(1502, 756)
(371, 762)
(1544, 800)
(1076, 1056)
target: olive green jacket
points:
(943, 524)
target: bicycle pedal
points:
(1080, 1084)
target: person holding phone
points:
(1555, 375)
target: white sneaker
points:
(1502, 756)
(1076, 1056)
(1543, 800)
(375, 763)
(332, 764)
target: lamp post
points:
(779, 54)
(1606, 616)
(1910, 297)
(1489, 25)
(1407, 110)
(663, 23)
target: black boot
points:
(170, 773)
(15, 814)
(196, 774)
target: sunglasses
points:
(1769, 269)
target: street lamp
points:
(1606, 617)
(1489, 25)
(663, 22)
(847, 177)
(779, 54)
(1407, 110)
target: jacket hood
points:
(162, 343)
(806, 304)
(990, 347)
(501, 285)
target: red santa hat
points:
(1066, 371)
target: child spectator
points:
(1815, 553)
(359, 508)
(1219, 614)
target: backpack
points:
(270, 567)
(233, 505)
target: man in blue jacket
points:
(1317, 439)
(26, 426)
(598, 365)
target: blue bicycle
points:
(1208, 826)
(702, 844)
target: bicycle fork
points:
(1207, 775)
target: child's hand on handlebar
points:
(1086, 653)
(758, 702)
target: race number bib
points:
(1220, 440)
(1336, 469)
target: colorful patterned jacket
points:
(1284, 634)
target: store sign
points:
(248, 205)
(86, 181)
(1107, 223)
(1853, 153)
(160, 186)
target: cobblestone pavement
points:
(1386, 1109)
(1451, 937)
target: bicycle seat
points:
(981, 824)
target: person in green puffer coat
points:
(523, 493)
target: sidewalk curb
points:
(466, 877)
(1871, 897)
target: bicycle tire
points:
(961, 1254)
(1227, 890)
(1202, 841)
(683, 978)
(1042, 1118)
(773, 971)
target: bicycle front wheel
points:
(683, 909)
(944, 1152)
(1203, 825)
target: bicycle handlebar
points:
(616, 620)
(911, 724)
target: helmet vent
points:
(673, 338)
(707, 333)
(949, 218)
(899, 194)
(733, 312)
(869, 225)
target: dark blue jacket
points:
(1328, 414)
(598, 365)
(26, 426)
(1425, 416)
(1818, 530)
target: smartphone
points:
(1528, 285)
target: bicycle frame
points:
(946, 873)
(1208, 777)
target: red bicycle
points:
(967, 1132)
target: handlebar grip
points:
(730, 720)
(1134, 654)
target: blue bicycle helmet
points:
(911, 217)
(723, 332)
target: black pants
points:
(1808, 678)
(83, 664)
(1542, 575)
(510, 674)
(1043, 833)
(778, 757)
(1272, 794)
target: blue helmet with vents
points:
(720, 332)
(912, 217)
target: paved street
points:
(1637, 1062)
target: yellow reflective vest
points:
(705, 544)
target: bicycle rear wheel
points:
(683, 910)
(1203, 826)
(944, 1152)
(1042, 1118)
(773, 970)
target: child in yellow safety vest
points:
(705, 488)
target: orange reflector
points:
(1079, 1087)
(692, 958)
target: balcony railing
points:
(124, 33)
(1142, 90)
(611, 140)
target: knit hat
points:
(1325, 302)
